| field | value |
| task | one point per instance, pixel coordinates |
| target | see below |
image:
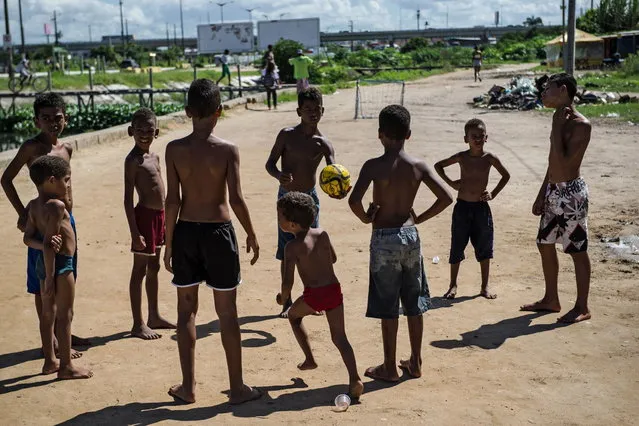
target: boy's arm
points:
(327, 149)
(330, 244)
(443, 197)
(130, 170)
(439, 168)
(25, 152)
(505, 177)
(173, 204)
(273, 158)
(54, 209)
(355, 200)
(288, 277)
(236, 200)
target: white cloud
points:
(148, 18)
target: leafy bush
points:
(414, 44)
(630, 66)
(283, 51)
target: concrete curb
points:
(85, 140)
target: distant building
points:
(116, 39)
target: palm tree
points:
(533, 21)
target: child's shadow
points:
(265, 339)
(444, 302)
(492, 336)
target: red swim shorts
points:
(323, 298)
(150, 223)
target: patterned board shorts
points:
(565, 217)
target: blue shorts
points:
(284, 237)
(63, 264)
(396, 273)
(474, 221)
(33, 282)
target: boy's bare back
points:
(146, 171)
(40, 211)
(201, 166)
(396, 179)
(314, 257)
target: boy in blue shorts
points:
(396, 263)
(472, 218)
(51, 119)
(301, 149)
(49, 217)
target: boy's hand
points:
(138, 243)
(455, 184)
(251, 244)
(538, 207)
(285, 178)
(486, 196)
(563, 115)
(372, 212)
(56, 243)
(168, 253)
(48, 287)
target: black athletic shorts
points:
(474, 221)
(205, 252)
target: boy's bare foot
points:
(575, 315)
(71, 372)
(307, 365)
(485, 292)
(160, 323)
(412, 368)
(451, 293)
(79, 341)
(380, 373)
(50, 367)
(541, 306)
(248, 394)
(355, 390)
(74, 354)
(178, 392)
(144, 332)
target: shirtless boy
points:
(146, 222)
(201, 245)
(50, 118)
(562, 201)
(313, 254)
(472, 218)
(48, 217)
(396, 267)
(301, 149)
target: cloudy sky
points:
(148, 18)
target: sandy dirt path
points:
(484, 361)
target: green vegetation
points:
(610, 16)
(621, 112)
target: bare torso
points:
(572, 138)
(202, 167)
(314, 258)
(39, 214)
(301, 158)
(475, 171)
(63, 150)
(148, 179)
(396, 180)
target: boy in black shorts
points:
(202, 246)
(472, 218)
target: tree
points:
(611, 16)
(414, 44)
(589, 22)
(283, 51)
(533, 21)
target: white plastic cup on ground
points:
(342, 402)
(436, 260)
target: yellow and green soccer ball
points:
(335, 180)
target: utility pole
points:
(418, 16)
(126, 29)
(174, 35)
(90, 36)
(563, 30)
(21, 27)
(122, 30)
(7, 32)
(222, 9)
(250, 12)
(55, 27)
(182, 25)
(569, 59)
(446, 16)
(168, 41)
(350, 23)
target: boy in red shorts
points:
(146, 222)
(313, 254)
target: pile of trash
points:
(604, 98)
(522, 93)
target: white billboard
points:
(236, 37)
(305, 31)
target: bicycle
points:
(38, 84)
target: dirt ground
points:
(484, 361)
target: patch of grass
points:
(548, 70)
(407, 75)
(626, 112)
(613, 82)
